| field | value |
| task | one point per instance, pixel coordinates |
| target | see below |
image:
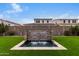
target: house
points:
(6, 22)
(61, 22)
(12, 26)
(43, 20)
(66, 21)
(57, 26)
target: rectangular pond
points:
(38, 43)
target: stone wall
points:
(55, 29)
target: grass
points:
(70, 42)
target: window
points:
(47, 21)
(9, 24)
(68, 21)
(73, 21)
(37, 21)
(42, 21)
(64, 21)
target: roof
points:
(10, 22)
(53, 19)
(43, 19)
(66, 19)
(39, 24)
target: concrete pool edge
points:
(59, 47)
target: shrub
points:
(11, 33)
(73, 31)
(67, 33)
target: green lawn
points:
(71, 43)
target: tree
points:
(3, 29)
(73, 31)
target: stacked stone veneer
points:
(55, 29)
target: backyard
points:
(70, 42)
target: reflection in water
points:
(36, 43)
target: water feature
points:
(38, 43)
(38, 39)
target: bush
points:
(11, 33)
(67, 33)
(73, 31)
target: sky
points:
(26, 12)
